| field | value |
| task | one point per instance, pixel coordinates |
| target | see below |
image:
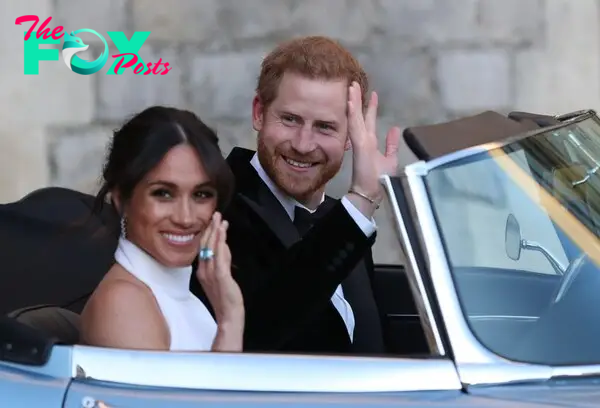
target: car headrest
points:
(431, 141)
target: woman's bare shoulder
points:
(122, 312)
(119, 289)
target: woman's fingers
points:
(206, 266)
(211, 244)
(223, 259)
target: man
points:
(308, 289)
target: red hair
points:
(315, 57)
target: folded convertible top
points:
(431, 141)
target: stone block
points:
(404, 82)
(119, 96)
(562, 76)
(429, 22)
(387, 248)
(55, 95)
(23, 164)
(77, 155)
(512, 21)
(474, 79)
(103, 16)
(264, 20)
(235, 134)
(186, 20)
(222, 85)
(350, 21)
(12, 35)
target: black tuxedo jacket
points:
(288, 282)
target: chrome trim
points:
(415, 279)
(498, 373)
(558, 266)
(503, 317)
(426, 166)
(566, 116)
(264, 372)
(471, 317)
(575, 371)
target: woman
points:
(169, 181)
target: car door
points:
(33, 373)
(134, 378)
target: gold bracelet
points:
(366, 197)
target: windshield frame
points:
(475, 362)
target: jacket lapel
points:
(254, 193)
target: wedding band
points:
(206, 254)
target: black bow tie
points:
(304, 219)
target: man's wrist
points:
(372, 199)
(363, 205)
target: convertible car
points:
(498, 304)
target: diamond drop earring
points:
(124, 227)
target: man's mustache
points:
(306, 158)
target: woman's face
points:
(171, 207)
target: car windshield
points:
(520, 228)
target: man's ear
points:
(258, 113)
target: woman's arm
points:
(121, 314)
(230, 337)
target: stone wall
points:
(430, 60)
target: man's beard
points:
(302, 188)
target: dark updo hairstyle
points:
(146, 138)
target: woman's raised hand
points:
(223, 292)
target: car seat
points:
(59, 324)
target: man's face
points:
(302, 135)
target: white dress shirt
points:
(289, 204)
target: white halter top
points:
(191, 325)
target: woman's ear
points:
(115, 200)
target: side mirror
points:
(512, 238)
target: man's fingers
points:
(356, 123)
(371, 114)
(392, 142)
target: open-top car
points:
(498, 304)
